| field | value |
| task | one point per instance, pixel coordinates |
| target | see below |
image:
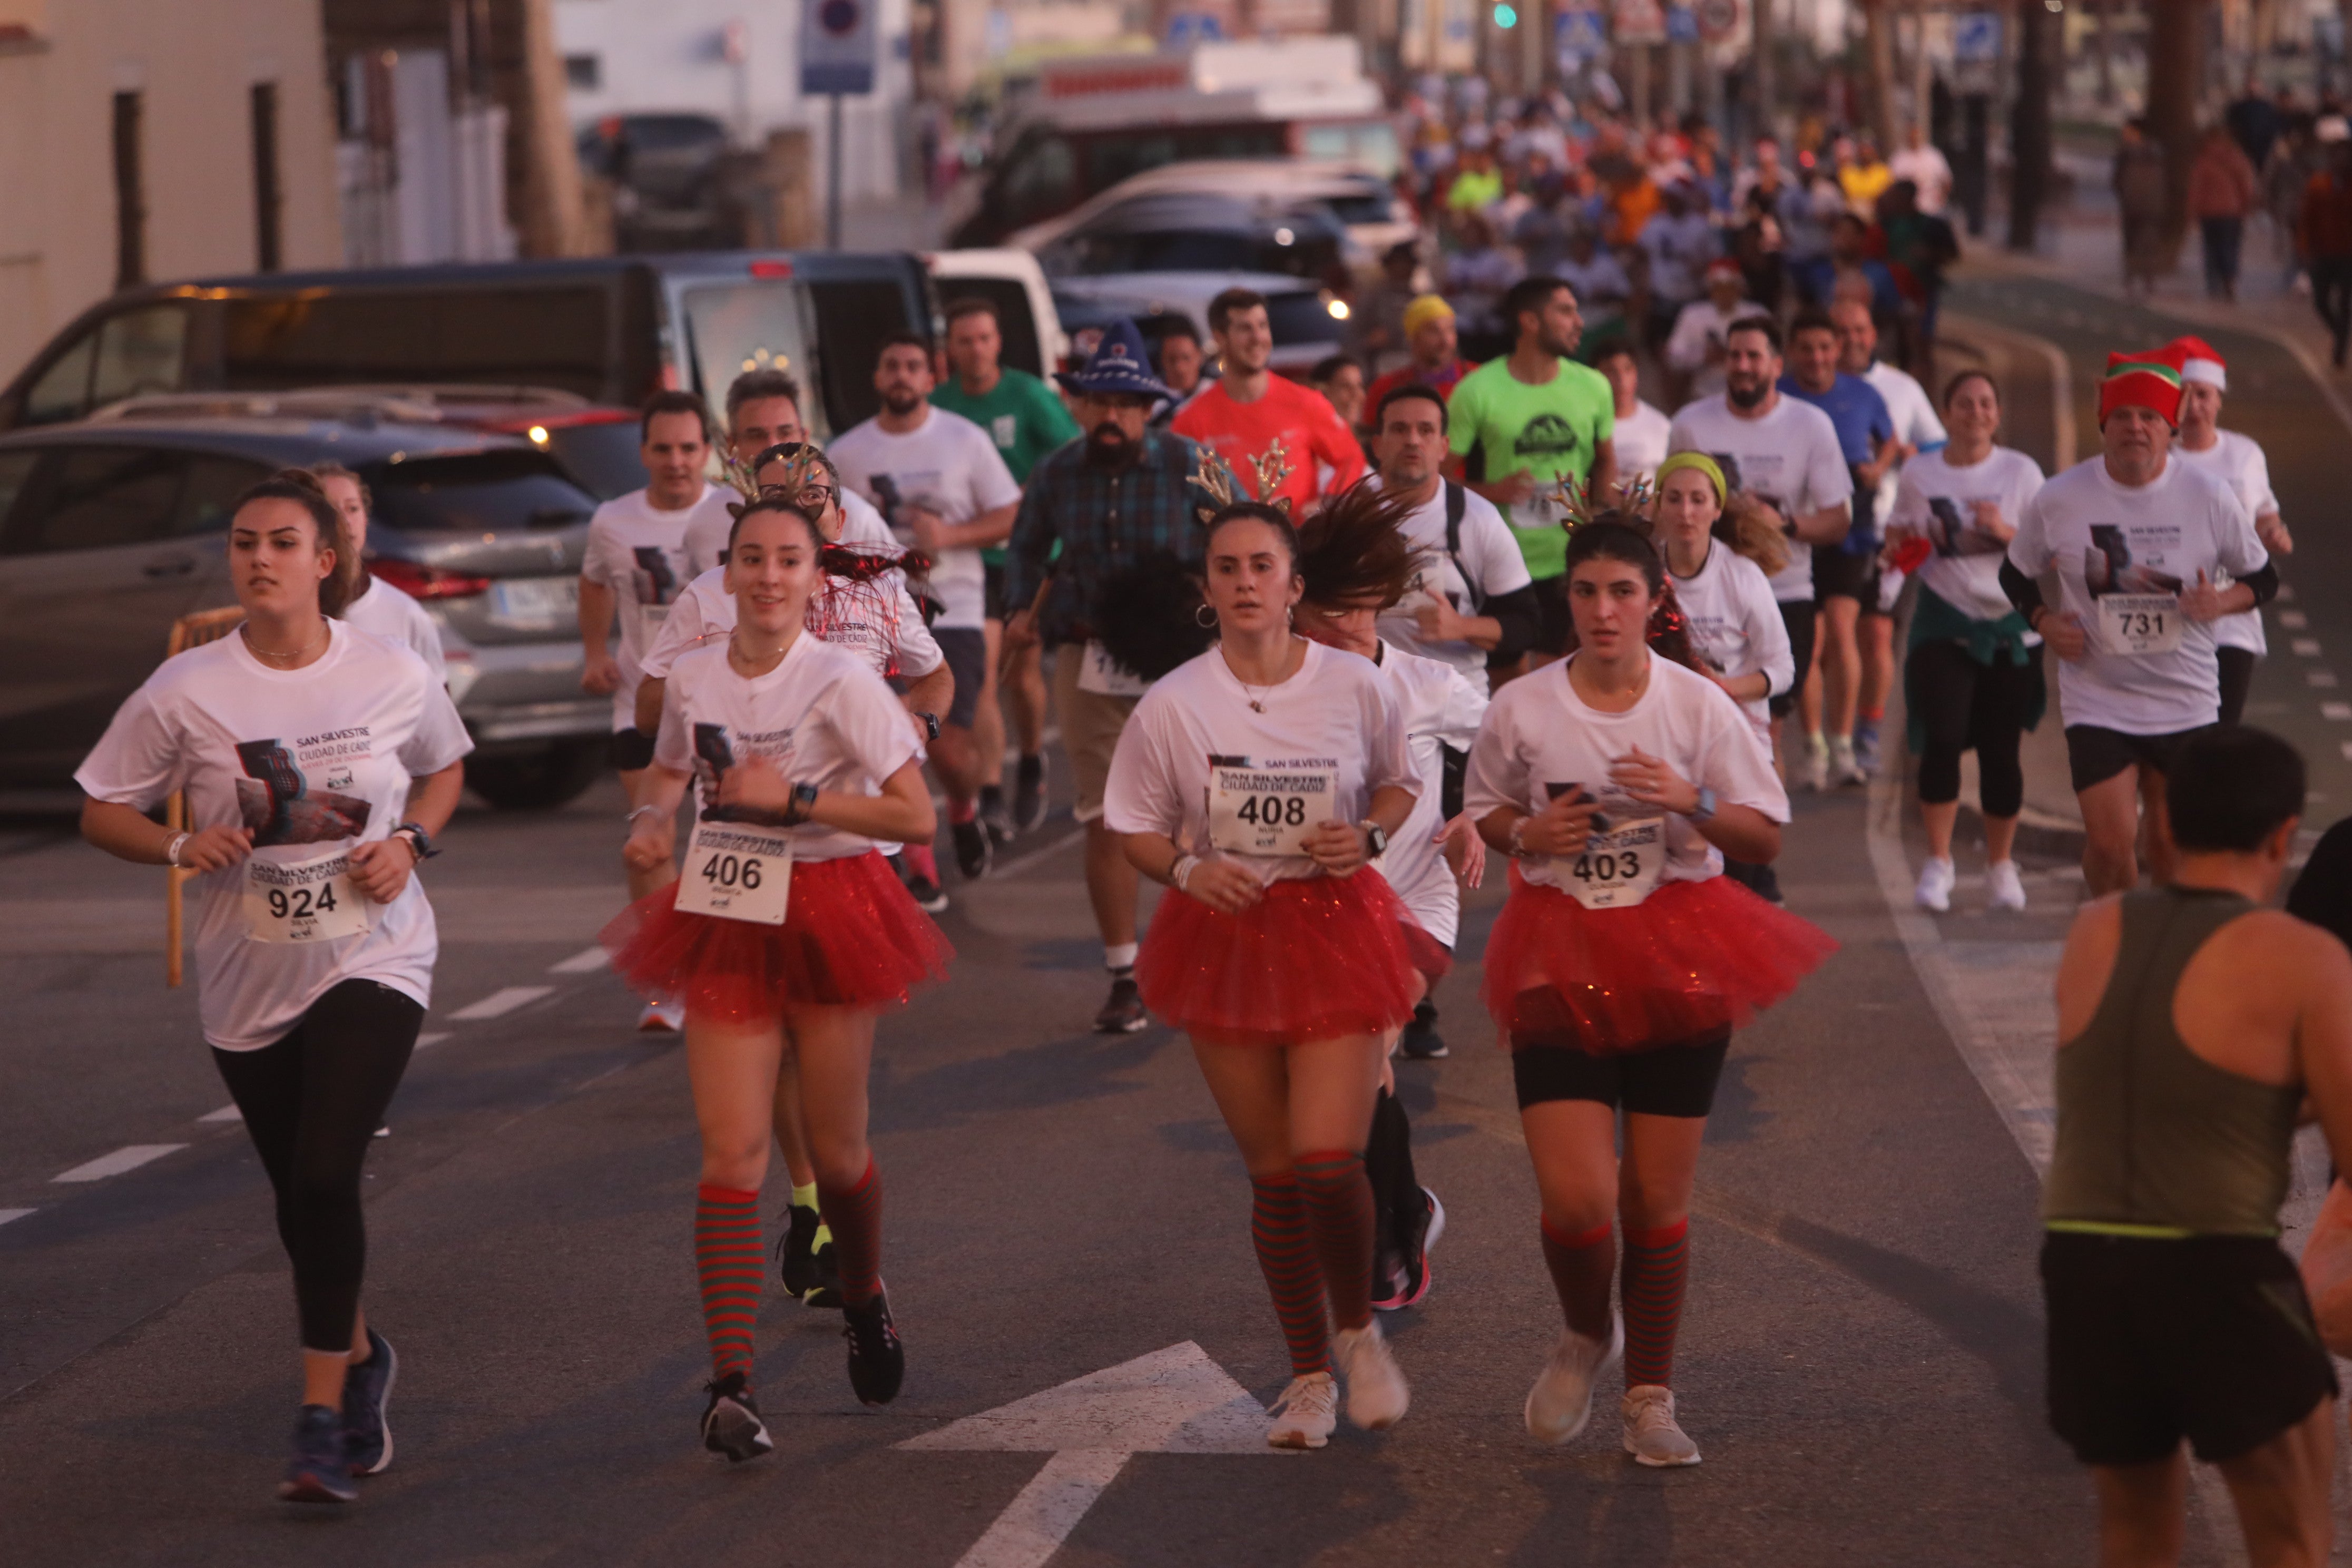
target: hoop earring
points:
(1204, 616)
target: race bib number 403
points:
(1263, 811)
(309, 900)
(1618, 869)
(737, 872)
(2140, 623)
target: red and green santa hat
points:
(2150, 381)
(2199, 360)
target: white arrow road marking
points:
(1176, 1401)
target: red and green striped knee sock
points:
(1657, 1266)
(727, 1254)
(854, 1213)
(1338, 1200)
(1278, 1227)
(1581, 1264)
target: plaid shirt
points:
(1103, 518)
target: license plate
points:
(535, 600)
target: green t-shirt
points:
(1502, 425)
(1022, 415)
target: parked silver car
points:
(110, 530)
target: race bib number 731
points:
(1267, 811)
(2140, 623)
(735, 872)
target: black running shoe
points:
(971, 850)
(797, 1250)
(825, 1294)
(929, 896)
(367, 1389)
(877, 1362)
(994, 819)
(1123, 1014)
(731, 1424)
(1421, 1040)
(319, 1470)
(1029, 795)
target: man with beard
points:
(1784, 454)
(1523, 424)
(1123, 492)
(939, 482)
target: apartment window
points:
(130, 193)
(585, 72)
(268, 194)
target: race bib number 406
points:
(311, 900)
(1617, 869)
(2140, 623)
(737, 872)
(1264, 811)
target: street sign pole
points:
(837, 59)
(833, 175)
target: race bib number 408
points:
(1264, 811)
(1617, 869)
(2140, 623)
(311, 900)
(737, 872)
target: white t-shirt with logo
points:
(1790, 458)
(2239, 463)
(1641, 442)
(707, 609)
(1335, 716)
(2152, 540)
(822, 716)
(394, 616)
(1937, 500)
(1698, 326)
(1736, 625)
(948, 465)
(1539, 733)
(1494, 563)
(314, 762)
(1914, 414)
(1440, 709)
(648, 556)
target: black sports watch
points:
(419, 840)
(1376, 841)
(803, 802)
(930, 724)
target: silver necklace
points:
(262, 652)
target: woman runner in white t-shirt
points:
(1617, 782)
(1972, 673)
(784, 924)
(1259, 781)
(371, 605)
(1355, 563)
(297, 739)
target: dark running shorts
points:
(1839, 573)
(966, 650)
(2094, 755)
(992, 590)
(2209, 1339)
(630, 750)
(1664, 1080)
(1797, 615)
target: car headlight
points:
(1338, 309)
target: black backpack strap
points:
(1458, 505)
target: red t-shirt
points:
(1310, 431)
(1440, 381)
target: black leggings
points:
(2236, 667)
(1965, 704)
(312, 1102)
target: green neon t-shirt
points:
(1503, 426)
(1022, 415)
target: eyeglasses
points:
(818, 494)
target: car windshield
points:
(735, 327)
(1302, 318)
(476, 492)
(601, 454)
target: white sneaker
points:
(1306, 1414)
(1844, 767)
(1817, 764)
(662, 1018)
(1935, 890)
(1652, 1435)
(1377, 1396)
(2003, 891)
(1561, 1400)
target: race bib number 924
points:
(309, 900)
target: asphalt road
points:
(1860, 1362)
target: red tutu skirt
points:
(851, 938)
(1692, 959)
(1316, 959)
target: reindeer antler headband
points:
(1215, 476)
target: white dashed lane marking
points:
(2336, 711)
(430, 1037)
(128, 1158)
(499, 1003)
(587, 961)
(226, 1113)
(2306, 647)
(8, 1215)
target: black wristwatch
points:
(803, 802)
(930, 724)
(1376, 841)
(419, 840)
